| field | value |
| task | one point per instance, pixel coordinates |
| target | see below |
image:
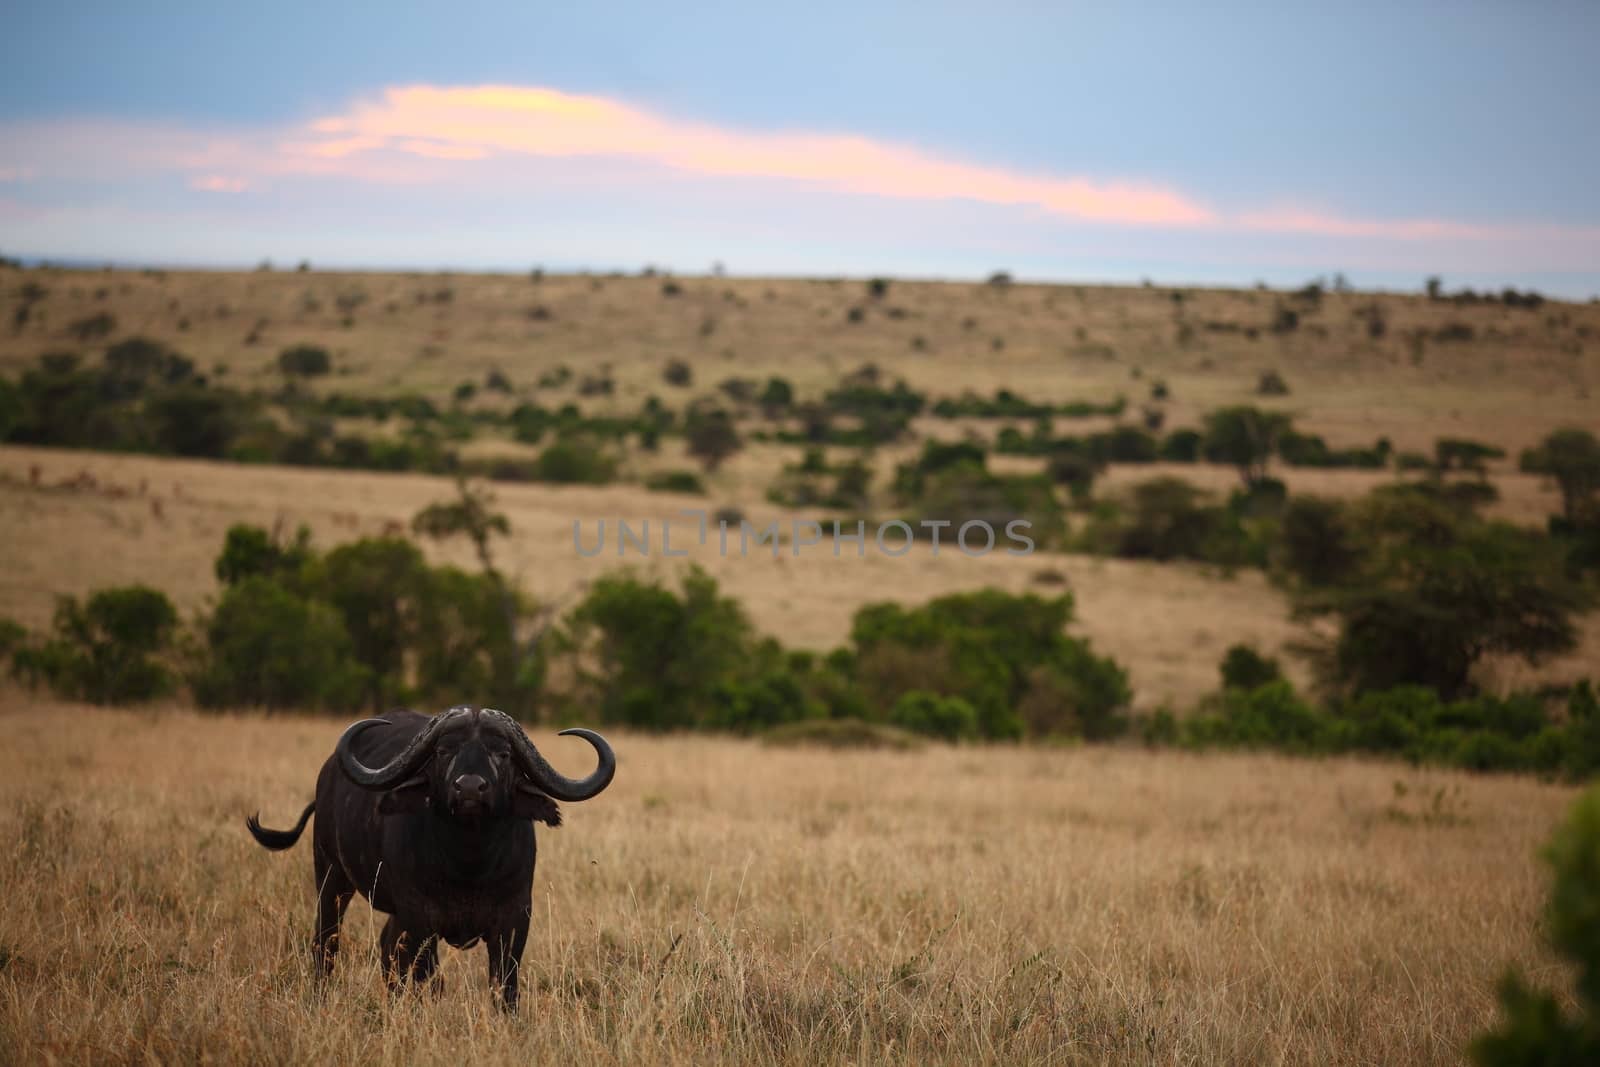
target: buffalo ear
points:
(528, 803)
(409, 797)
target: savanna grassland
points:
(729, 902)
(76, 521)
(733, 901)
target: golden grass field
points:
(730, 902)
(726, 902)
(1524, 372)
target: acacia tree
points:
(712, 437)
(1245, 437)
(1434, 591)
(472, 515)
(469, 515)
(1572, 458)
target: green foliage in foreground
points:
(1536, 1026)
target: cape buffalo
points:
(431, 819)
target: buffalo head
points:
(472, 763)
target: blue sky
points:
(1223, 143)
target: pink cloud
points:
(498, 137)
(219, 183)
(480, 122)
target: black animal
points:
(431, 819)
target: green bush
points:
(1244, 437)
(1271, 716)
(776, 397)
(107, 650)
(466, 642)
(305, 361)
(770, 699)
(675, 481)
(1316, 542)
(966, 493)
(712, 437)
(1181, 446)
(947, 718)
(1244, 668)
(1168, 519)
(986, 647)
(267, 647)
(13, 635)
(1580, 757)
(377, 585)
(1572, 458)
(1537, 1025)
(642, 655)
(570, 462)
(249, 550)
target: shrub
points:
(771, 699)
(1169, 519)
(13, 635)
(1459, 453)
(678, 373)
(1316, 542)
(1245, 437)
(250, 550)
(984, 647)
(269, 647)
(1243, 667)
(1180, 446)
(712, 437)
(1580, 758)
(1271, 383)
(107, 650)
(776, 397)
(1572, 458)
(1269, 716)
(1539, 1026)
(642, 655)
(190, 420)
(570, 462)
(466, 641)
(1077, 470)
(305, 361)
(965, 494)
(93, 327)
(675, 481)
(947, 718)
(1125, 444)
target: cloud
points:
(435, 148)
(219, 183)
(478, 123)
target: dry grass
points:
(1523, 373)
(729, 902)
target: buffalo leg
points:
(505, 959)
(333, 896)
(407, 954)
